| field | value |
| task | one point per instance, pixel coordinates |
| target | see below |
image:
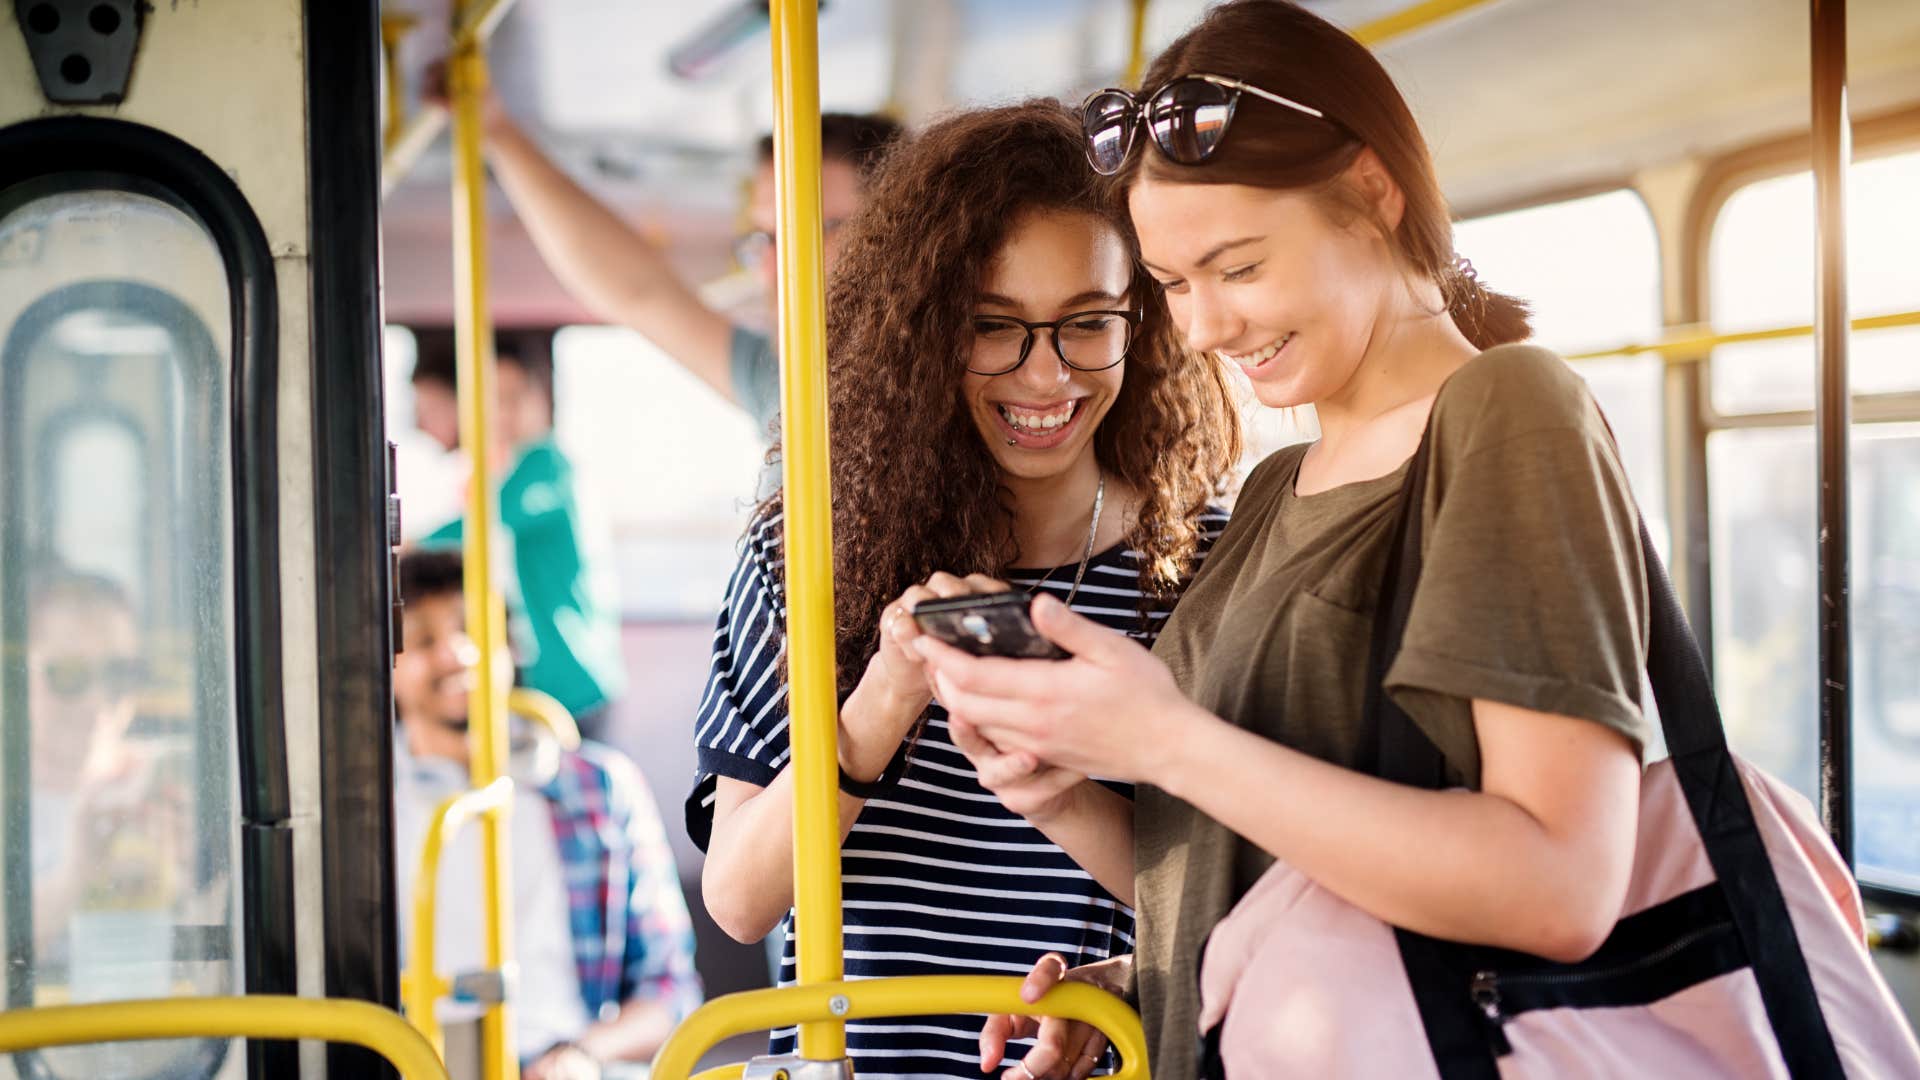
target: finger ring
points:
(1029, 1072)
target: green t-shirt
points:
(1532, 593)
(566, 611)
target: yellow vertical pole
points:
(1137, 45)
(809, 521)
(473, 343)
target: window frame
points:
(1882, 135)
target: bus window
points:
(1761, 266)
(1590, 267)
(116, 616)
(670, 467)
(1763, 492)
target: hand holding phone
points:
(987, 624)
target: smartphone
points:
(987, 624)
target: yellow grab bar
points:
(1684, 343)
(1414, 17)
(911, 995)
(423, 985)
(255, 1016)
(548, 713)
(809, 517)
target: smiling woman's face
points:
(1038, 420)
(1267, 280)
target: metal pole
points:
(473, 347)
(809, 517)
(1832, 149)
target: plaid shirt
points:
(631, 936)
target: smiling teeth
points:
(1038, 421)
(1258, 356)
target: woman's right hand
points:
(898, 667)
(1062, 1049)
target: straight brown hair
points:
(1282, 48)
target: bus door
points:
(194, 622)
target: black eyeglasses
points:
(1084, 340)
(752, 249)
(1187, 118)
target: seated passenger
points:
(563, 600)
(1008, 399)
(601, 937)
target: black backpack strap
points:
(1702, 762)
(1440, 972)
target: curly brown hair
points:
(921, 495)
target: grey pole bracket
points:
(82, 49)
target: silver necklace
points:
(1093, 531)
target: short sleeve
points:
(756, 375)
(1533, 587)
(740, 728)
(658, 963)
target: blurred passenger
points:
(623, 278)
(601, 936)
(1009, 399)
(110, 830)
(561, 593)
(436, 401)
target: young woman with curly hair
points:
(1009, 400)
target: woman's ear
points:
(1374, 188)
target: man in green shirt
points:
(564, 604)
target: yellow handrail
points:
(548, 713)
(422, 985)
(473, 346)
(914, 995)
(255, 1016)
(1416, 17)
(1684, 343)
(809, 519)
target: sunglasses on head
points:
(1187, 118)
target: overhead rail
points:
(422, 985)
(1686, 343)
(408, 138)
(254, 1016)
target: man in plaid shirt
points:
(601, 936)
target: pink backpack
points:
(1740, 950)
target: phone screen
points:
(987, 624)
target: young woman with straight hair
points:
(1287, 205)
(1009, 398)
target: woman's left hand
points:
(1106, 712)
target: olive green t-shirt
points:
(1532, 593)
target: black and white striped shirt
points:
(937, 876)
